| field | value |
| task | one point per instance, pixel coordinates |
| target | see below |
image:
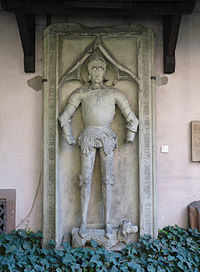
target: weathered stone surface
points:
(98, 102)
(97, 235)
(35, 83)
(119, 238)
(133, 194)
(194, 215)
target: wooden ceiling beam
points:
(133, 8)
(26, 25)
(171, 24)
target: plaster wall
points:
(178, 179)
(20, 126)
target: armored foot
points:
(83, 230)
(109, 231)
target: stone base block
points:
(97, 235)
(116, 242)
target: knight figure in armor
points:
(98, 103)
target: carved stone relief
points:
(84, 67)
(98, 103)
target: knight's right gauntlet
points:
(65, 122)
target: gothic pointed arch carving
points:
(97, 47)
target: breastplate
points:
(98, 108)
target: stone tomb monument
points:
(98, 169)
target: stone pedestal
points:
(98, 235)
(117, 241)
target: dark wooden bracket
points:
(26, 25)
(171, 24)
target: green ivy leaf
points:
(93, 243)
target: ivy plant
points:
(175, 249)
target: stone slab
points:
(133, 195)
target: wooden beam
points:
(26, 25)
(171, 24)
(10, 5)
(115, 8)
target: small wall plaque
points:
(195, 126)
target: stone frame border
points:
(146, 103)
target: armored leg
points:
(87, 164)
(107, 183)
